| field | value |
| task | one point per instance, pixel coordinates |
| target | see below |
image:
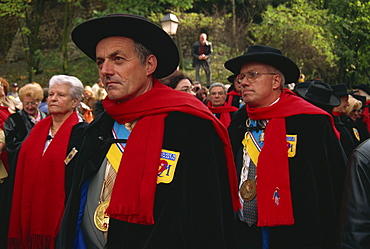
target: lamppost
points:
(169, 24)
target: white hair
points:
(76, 87)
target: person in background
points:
(349, 119)
(147, 195)
(179, 81)
(19, 124)
(360, 118)
(196, 86)
(98, 90)
(234, 96)
(11, 103)
(44, 105)
(87, 105)
(289, 160)
(202, 95)
(44, 170)
(354, 225)
(364, 90)
(13, 91)
(347, 138)
(201, 53)
(217, 105)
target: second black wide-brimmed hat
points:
(317, 92)
(340, 90)
(267, 55)
(88, 34)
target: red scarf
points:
(137, 176)
(273, 166)
(39, 194)
(225, 112)
(231, 96)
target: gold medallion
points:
(101, 220)
(248, 190)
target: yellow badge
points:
(292, 144)
(70, 156)
(167, 166)
(357, 135)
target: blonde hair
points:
(33, 90)
(353, 104)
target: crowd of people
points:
(148, 158)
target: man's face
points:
(343, 105)
(217, 96)
(121, 72)
(203, 38)
(264, 89)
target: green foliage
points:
(351, 27)
(145, 7)
(302, 32)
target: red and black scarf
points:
(231, 96)
(39, 194)
(273, 167)
(225, 112)
(138, 184)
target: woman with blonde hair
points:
(354, 109)
(19, 124)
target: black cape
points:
(316, 178)
(193, 211)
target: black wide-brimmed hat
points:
(362, 87)
(340, 90)
(317, 92)
(267, 55)
(231, 78)
(88, 34)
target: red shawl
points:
(225, 112)
(273, 167)
(231, 95)
(39, 194)
(138, 184)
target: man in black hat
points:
(288, 157)
(347, 137)
(139, 180)
(234, 97)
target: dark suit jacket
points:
(196, 51)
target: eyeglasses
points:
(31, 103)
(251, 76)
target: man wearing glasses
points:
(289, 161)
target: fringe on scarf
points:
(34, 242)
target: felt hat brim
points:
(88, 34)
(312, 93)
(267, 55)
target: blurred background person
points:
(11, 103)
(234, 96)
(217, 105)
(44, 172)
(202, 95)
(13, 91)
(88, 104)
(44, 105)
(347, 139)
(179, 81)
(19, 124)
(201, 53)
